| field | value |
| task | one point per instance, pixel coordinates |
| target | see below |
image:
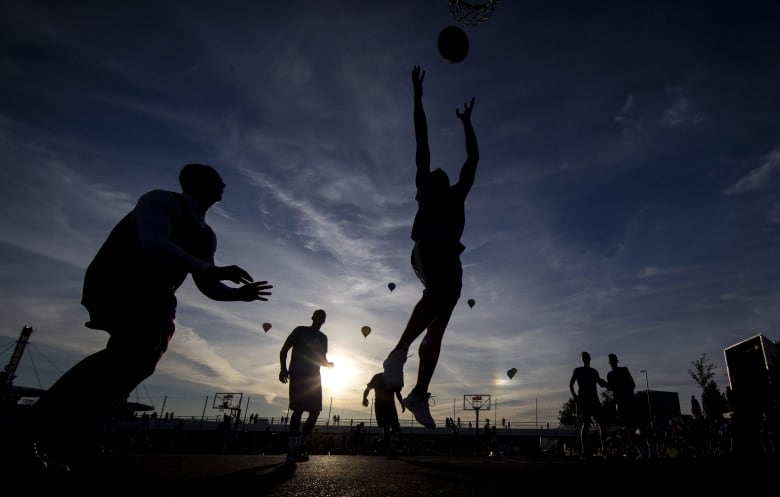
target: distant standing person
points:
(436, 231)
(129, 292)
(587, 399)
(621, 383)
(309, 352)
(386, 412)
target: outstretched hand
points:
(256, 290)
(230, 273)
(466, 114)
(418, 76)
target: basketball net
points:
(472, 13)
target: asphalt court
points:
(372, 476)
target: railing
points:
(330, 425)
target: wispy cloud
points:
(682, 112)
(762, 177)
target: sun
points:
(340, 375)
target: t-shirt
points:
(309, 349)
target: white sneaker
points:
(418, 404)
(394, 369)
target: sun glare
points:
(340, 375)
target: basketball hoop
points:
(470, 13)
(477, 403)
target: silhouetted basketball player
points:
(437, 229)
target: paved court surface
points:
(375, 476)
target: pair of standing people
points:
(620, 382)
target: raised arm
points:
(423, 153)
(469, 169)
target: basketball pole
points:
(538, 431)
(159, 418)
(203, 414)
(327, 423)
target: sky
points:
(626, 199)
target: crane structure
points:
(9, 373)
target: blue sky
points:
(626, 198)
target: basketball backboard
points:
(226, 400)
(476, 402)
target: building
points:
(748, 363)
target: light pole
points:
(647, 391)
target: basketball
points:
(453, 44)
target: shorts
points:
(590, 408)
(437, 265)
(306, 393)
(387, 417)
(148, 326)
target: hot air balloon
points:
(365, 330)
(391, 286)
(511, 373)
(471, 302)
(266, 327)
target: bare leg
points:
(295, 423)
(422, 315)
(107, 377)
(584, 437)
(310, 423)
(387, 444)
(429, 351)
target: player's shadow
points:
(256, 481)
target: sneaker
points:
(418, 404)
(394, 369)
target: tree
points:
(713, 401)
(703, 372)
(567, 416)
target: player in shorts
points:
(436, 231)
(386, 413)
